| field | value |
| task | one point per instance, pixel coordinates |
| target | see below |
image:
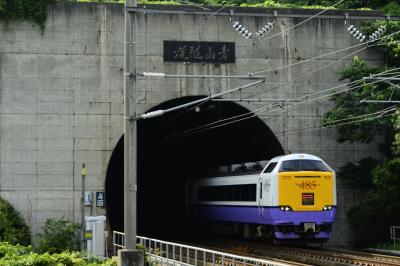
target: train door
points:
(267, 196)
(260, 197)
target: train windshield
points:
(303, 165)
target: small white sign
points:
(88, 198)
(100, 199)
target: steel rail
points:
(309, 256)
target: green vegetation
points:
(370, 220)
(359, 174)
(12, 226)
(36, 10)
(16, 255)
(390, 245)
(389, 6)
(58, 236)
(57, 245)
(31, 10)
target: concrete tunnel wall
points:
(61, 95)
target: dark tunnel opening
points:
(166, 158)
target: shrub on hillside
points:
(16, 255)
(12, 226)
(57, 236)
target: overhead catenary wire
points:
(311, 59)
(309, 74)
(321, 56)
(383, 71)
(304, 21)
(307, 97)
(254, 113)
(315, 127)
(333, 122)
(187, 2)
(291, 131)
(219, 10)
(380, 92)
(304, 77)
(279, 102)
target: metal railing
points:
(118, 241)
(167, 253)
(394, 234)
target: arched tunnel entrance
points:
(168, 155)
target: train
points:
(291, 198)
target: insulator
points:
(378, 33)
(362, 39)
(349, 28)
(381, 30)
(353, 30)
(238, 27)
(241, 29)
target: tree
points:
(380, 209)
(12, 227)
(57, 236)
(359, 174)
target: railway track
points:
(302, 256)
(328, 257)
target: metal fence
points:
(394, 234)
(167, 253)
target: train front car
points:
(293, 198)
(304, 193)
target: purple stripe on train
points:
(266, 215)
(288, 235)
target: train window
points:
(228, 193)
(303, 165)
(270, 167)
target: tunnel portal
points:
(169, 152)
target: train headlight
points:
(285, 208)
(327, 208)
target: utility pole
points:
(130, 127)
(83, 174)
(130, 256)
